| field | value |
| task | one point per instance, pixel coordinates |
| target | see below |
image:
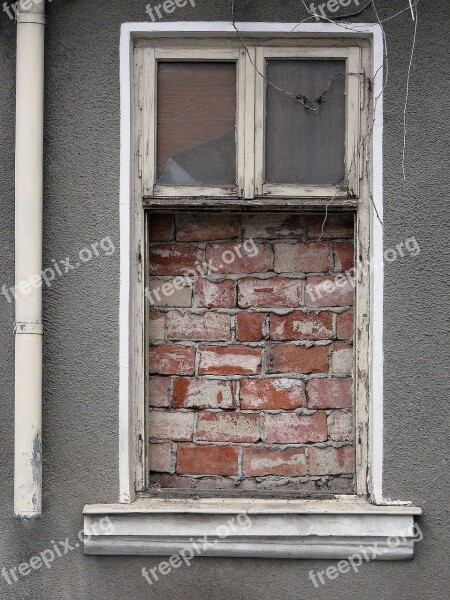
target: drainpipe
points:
(28, 260)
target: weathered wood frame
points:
(368, 371)
(144, 119)
(250, 102)
(148, 93)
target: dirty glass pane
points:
(196, 123)
(304, 145)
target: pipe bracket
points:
(29, 328)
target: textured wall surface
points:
(81, 314)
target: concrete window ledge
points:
(273, 528)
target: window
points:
(222, 123)
(211, 156)
(308, 104)
(265, 121)
(295, 152)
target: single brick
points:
(229, 360)
(271, 394)
(258, 462)
(293, 428)
(329, 291)
(204, 393)
(343, 254)
(287, 358)
(340, 426)
(214, 295)
(200, 227)
(331, 461)
(340, 485)
(171, 425)
(172, 359)
(159, 480)
(156, 326)
(207, 460)
(299, 325)
(159, 391)
(194, 483)
(228, 427)
(227, 483)
(336, 226)
(329, 393)
(342, 359)
(160, 227)
(160, 458)
(297, 484)
(272, 226)
(176, 292)
(249, 326)
(344, 325)
(301, 258)
(276, 292)
(208, 327)
(173, 259)
(241, 257)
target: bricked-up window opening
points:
(251, 357)
(196, 125)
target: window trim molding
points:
(132, 237)
(132, 435)
(331, 529)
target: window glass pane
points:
(305, 146)
(196, 123)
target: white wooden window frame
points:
(250, 120)
(152, 56)
(314, 528)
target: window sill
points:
(274, 528)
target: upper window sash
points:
(148, 93)
(353, 78)
(251, 86)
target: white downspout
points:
(28, 260)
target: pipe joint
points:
(31, 18)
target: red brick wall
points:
(251, 364)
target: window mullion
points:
(248, 58)
(259, 144)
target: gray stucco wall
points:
(81, 314)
